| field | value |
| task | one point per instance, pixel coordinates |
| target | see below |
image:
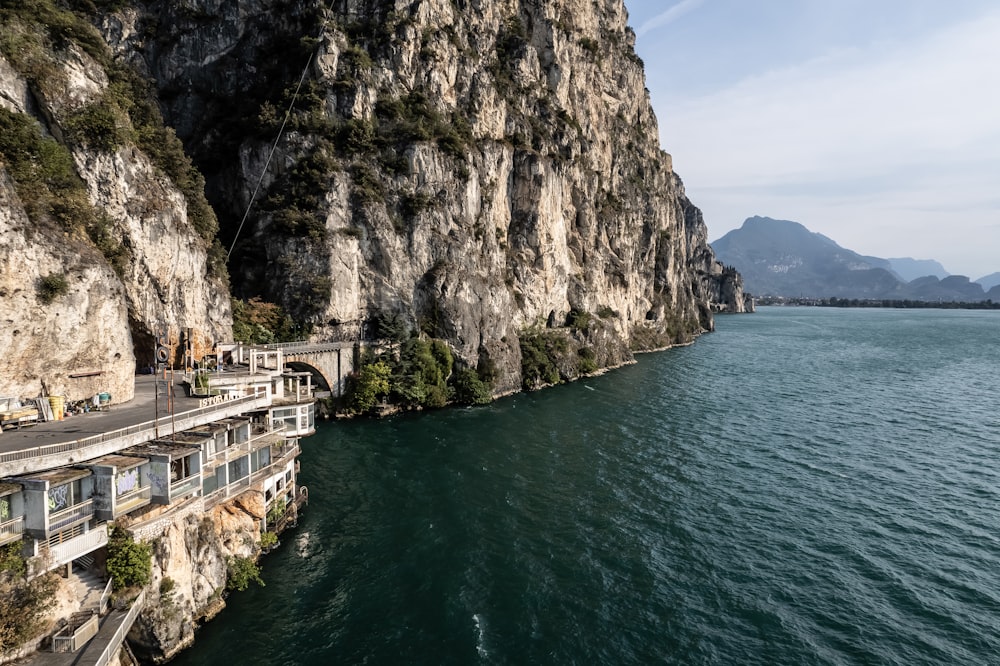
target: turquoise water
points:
(804, 486)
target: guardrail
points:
(306, 346)
(102, 606)
(12, 530)
(73, 514)
(116, 641)
(71, 639)
(163, 422)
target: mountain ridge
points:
(784, 258)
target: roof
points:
(59, 476)
(161, 448)
(116, 460)
(7, 488)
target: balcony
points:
(11, 531)
(185, 487)
(68, 517)
(70, 549)
(132, 501)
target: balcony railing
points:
(74, 514)
(12, 530)
(261, 437)
(78, 546)
(185, 486)
(144, 429)
(133, 500)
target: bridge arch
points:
(319, 380)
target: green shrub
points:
(11, 560)
(24, 605)
(167, 585)
(240, 572)
(276, 511)
(100, 126)
(268, 540)
(369, 386)
(52, 286)
(540, 353)
(587, 362)
(579, 320)
(470, 389)
(259, 322)
(130, 563)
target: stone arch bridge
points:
(329, 363)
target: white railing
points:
(141, 428)
(73, 514)
(102, 606)
(133, 500)
(12, 530)
(116, 641)
(184, 486)
(71, 641)
(80, 545)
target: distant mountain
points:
(911, 269)
(989, 281)
(784, 258)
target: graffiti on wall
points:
(158, 478)
(127, 481)
(58, 498)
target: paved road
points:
(138, 410)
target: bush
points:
(276, 511)
(539, 355)
(130, 563)
(23, 607)
(470, 389)
(579, 320)
(11, 561)
(167, 585)
(369, 386)
(51, 287)
(240, 572)
(258, 322)
(268, 540)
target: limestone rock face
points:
(189, 573)
(89, 337)
(80, 331)
(475, 169)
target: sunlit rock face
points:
(472, 169)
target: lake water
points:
(804, 486)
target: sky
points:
(873, 122)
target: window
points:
(180, 468)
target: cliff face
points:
(474, 170)
(96, 243)
(190, 563)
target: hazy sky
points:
(874, 122)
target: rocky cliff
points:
(481, 172)
(97, 242)
(192, 552)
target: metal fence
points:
(141, 428)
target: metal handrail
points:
(116, 641)
(165, 421)
(105, 598)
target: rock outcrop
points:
(191, 555)
(478, 170)
(97, 248)
(475, 171)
